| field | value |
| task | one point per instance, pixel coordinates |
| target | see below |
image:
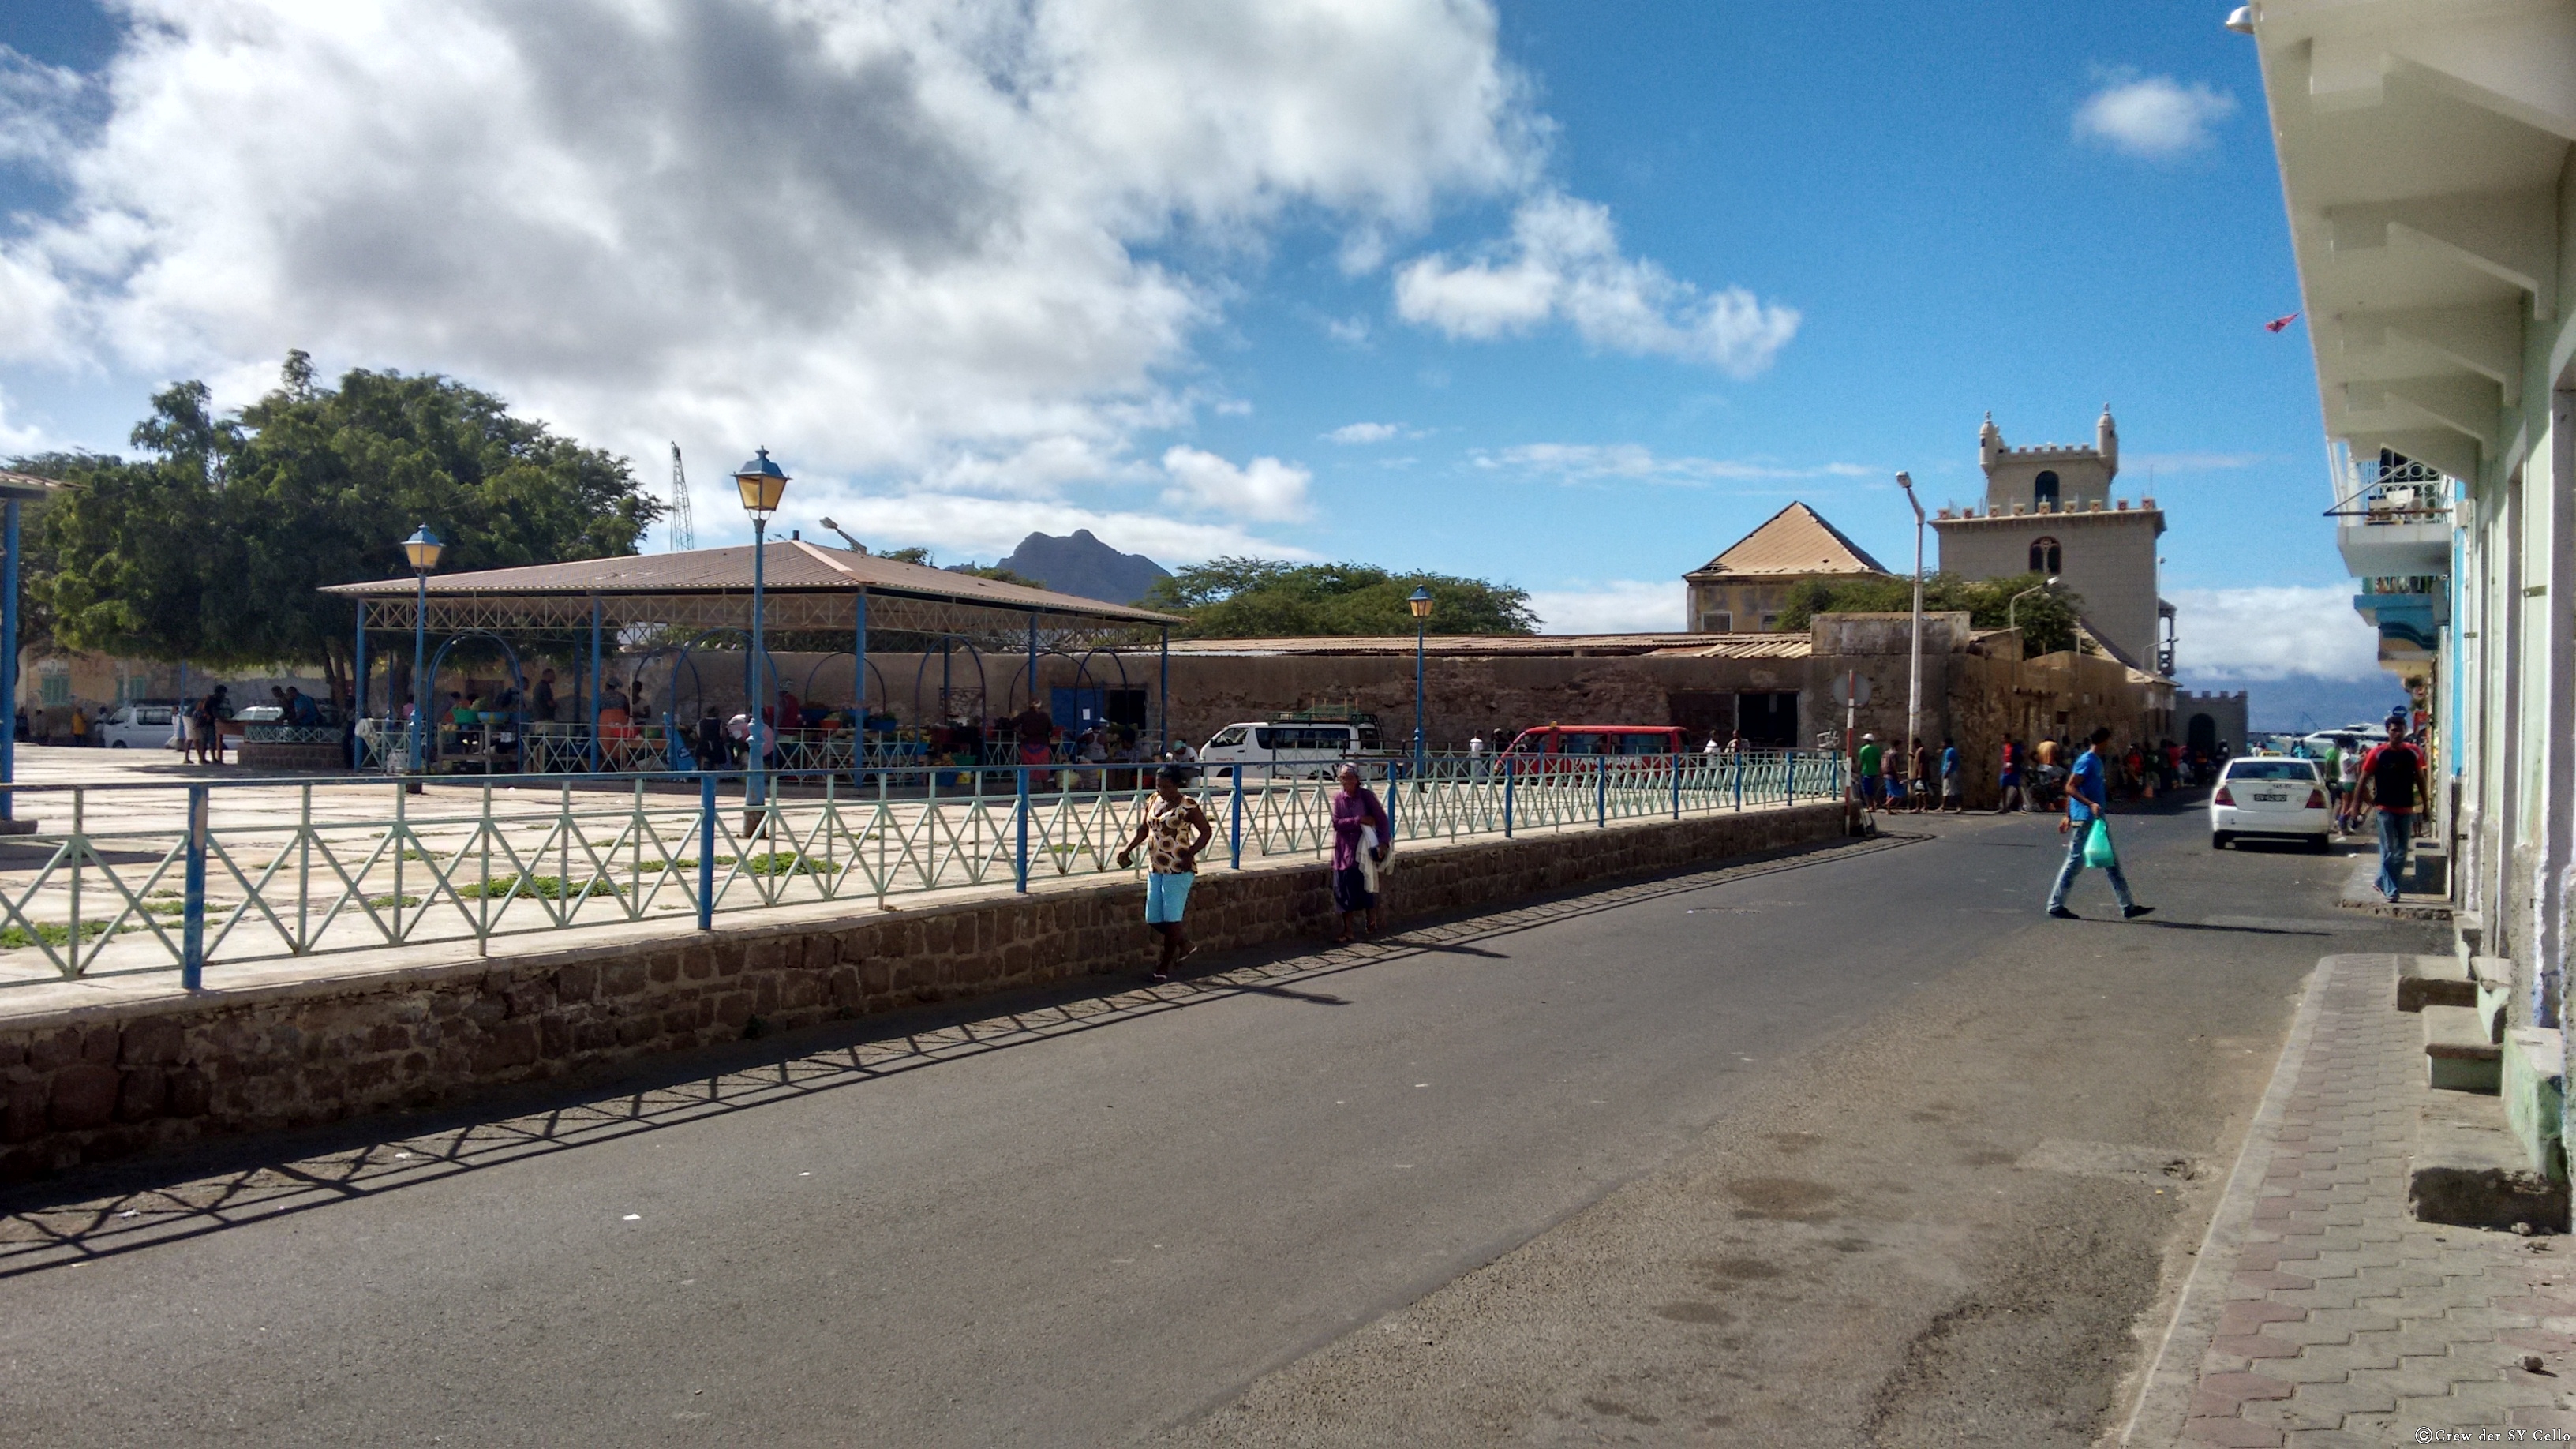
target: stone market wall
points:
(93, 1083)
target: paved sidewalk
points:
(2320, 1312)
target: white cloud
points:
(960, 525)
(1363, 433)
(2152, 116)
(1634, 462)
(2274, 633)
(15, 437)
(894, 239)
(1264, 489)
(1621, 606)
(1564, 262)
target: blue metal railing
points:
(148, 876)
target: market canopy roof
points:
(806, 587)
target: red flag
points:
(2277, 323)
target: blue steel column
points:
(358, 691)
(419, 665)
(1419, 626)
(9, 660)
(1020, 868)
(1163, 696)
(706, 849)
(859, 671)
(596, 680)
(755, 776)
(192, 922)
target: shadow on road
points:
(98, 1213)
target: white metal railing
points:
(123, 878)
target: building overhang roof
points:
(2422, 146)
(806, 585)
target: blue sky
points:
(1925, 188)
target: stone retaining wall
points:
(98, 1082)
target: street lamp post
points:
(422, 549)
(1420, 603)
(2012, 610)
(1914, 675)
(763, 484)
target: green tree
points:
(1245, 598)
(2047, 618)
(214, 546)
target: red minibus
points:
(1543, 749)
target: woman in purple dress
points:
(1359, 830)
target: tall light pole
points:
(1420, 603)
(422, 549)
(2012, 610)
(763, 484)
(1914, 676)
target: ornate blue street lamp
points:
(422, 549)
(1420, 602)
(763, 484)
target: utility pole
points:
(683, 534)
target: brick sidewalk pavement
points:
(2320, 1312)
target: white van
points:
(1304, 750)
(139, 726)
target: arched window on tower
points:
(2043, 489)
(2044, 557)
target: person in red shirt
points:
(2392, 779)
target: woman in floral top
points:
(1355, 810)
(1172, 830)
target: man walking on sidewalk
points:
(2087, 798)
(2392, 778)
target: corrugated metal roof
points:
(1795, 540)
(1452, 646)
(791, 567)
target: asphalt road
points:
(1831, 1145)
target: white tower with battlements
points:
(2049, 510)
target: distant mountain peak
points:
(1081, 565)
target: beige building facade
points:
(1743, 590)
(2050, 510)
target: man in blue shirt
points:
(1953, 795)
(2086, 800)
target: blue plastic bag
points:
(2097, 846)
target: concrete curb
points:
(2172, 1379)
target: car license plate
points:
(2270, 799)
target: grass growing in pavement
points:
(55, 934)
(385, 902)
(655, 867)
(548, 887)
(789, 862)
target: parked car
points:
(139, 726)
(2270, 795)
(1306, 749)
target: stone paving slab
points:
(2319, 1311)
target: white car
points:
(139, 727)
(2270, 795)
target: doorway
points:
(1768, 719)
